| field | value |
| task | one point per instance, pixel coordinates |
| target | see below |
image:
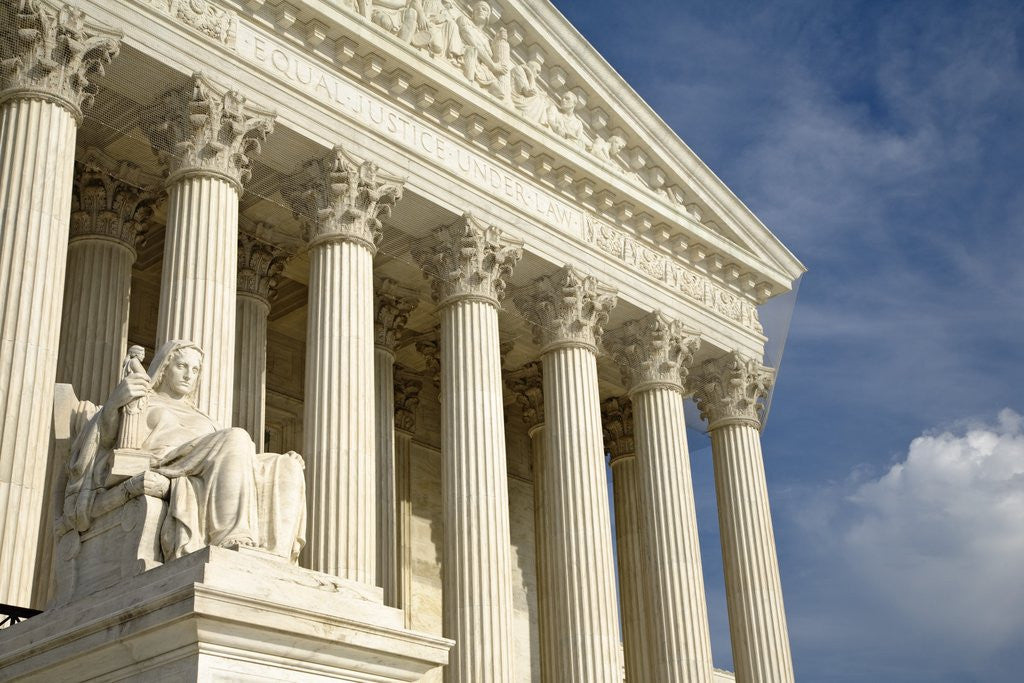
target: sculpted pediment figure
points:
(193, 483)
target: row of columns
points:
(353, 448)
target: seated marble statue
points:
(222, 492)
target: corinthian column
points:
(407, 398)
(569, 311)
(341, 201)
(259, 267)
(655, 353)
(204, 136)
(629, 544)
(729, 392)
(110, 210)
(393, 305)
(468, 264)
(48, 57)
(527, 385)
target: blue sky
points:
(883, 143)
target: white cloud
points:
(940, 537)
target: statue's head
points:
(616, 144)
(481, 12)
(175, 370)
(568, 103)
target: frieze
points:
(654, 264)
(201, 15)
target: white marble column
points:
(468, 264)
(259, 267)
(629, 543)
(204, 136)
(729, 392)
(393, 304)
(341, 200)
(407, 387)
(110, 210)
(569, 310)
(655, 353)
(527, 385)
(49, 56)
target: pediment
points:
(514, 77)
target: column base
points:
(218, 615)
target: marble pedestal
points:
(222, 615)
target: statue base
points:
(220, 615)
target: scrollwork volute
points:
(207, 129)
(567, 308)
(655, 351)
(52, 53)
(527, 386)
(111, 200)
(393, 304)
(731, 389)
(259, 267)
(468, 259)
(617, 425)
(407, 398)
(341, 197)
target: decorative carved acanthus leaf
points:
(617, 422)
(259, 267)
(393, 305)
(112, 199)
(655, 351)
(731, 389)
(527, 386)
(567, 307)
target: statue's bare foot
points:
(235, 543)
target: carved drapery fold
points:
(52, 53)
(408, 385)
(655, 351)
(617, 420)
(527, 386)
(731, 389)
(468, 259)
(394, 303)
(342, 197)
(207, 129)
(111, 199)
(259, 267)
(567, 307)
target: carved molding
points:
(342, 197)
(203, 16)
(567, 307)
(112, 199)
(407, 398)
(52, 53)
(468, 260)
(731, 389)
(617, 424)
(655, 351)
(392, 306)
(527, 386)
(664, 269)
(259, 267)
(210, 130)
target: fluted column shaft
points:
(198, 284)
(37, 143)
(549, 637)
(753, 589)
(477, 576)
(251, 366)
(403, 522)
(582, 578)
(340, 415)
(629, 545)
(387, 538)
(680, 644)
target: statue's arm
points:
(128, 389)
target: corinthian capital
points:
(617, 423)
(112, 200)
(731, 389)
(407, 398)
(567, 308)
(468, 260)
(392, 307)
(259, 267)
(527, 385)
(340, 197)
(52, 53)
(207, 129)
(655, 351)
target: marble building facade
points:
(444, 252)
